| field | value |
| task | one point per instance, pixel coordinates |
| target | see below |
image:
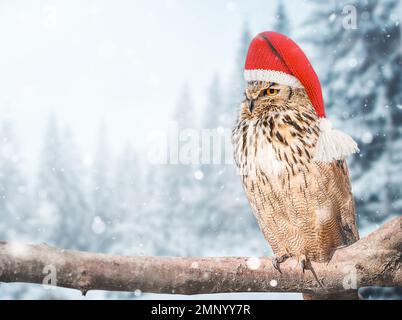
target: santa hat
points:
(273, 57)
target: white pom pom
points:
(333, 144)
(325, 125)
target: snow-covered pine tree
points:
(393, 93)
(161, 215)
(102, 194)
(235, 92)
(281, 23)
(211, 114)
(211, 213)
(16, 218)
(62, 207)
(180, 193)
(18, 221)
(130, 222)
(361, 74)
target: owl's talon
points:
(303, 265)
(277, 261)
(303, 262)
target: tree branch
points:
(373, 261)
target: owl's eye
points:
(270, 92)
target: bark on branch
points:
(373, 261)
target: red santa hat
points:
(273, 57)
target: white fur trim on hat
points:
(333, 144)
(272, 76)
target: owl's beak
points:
(250, 104)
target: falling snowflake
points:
(198, 174)
(367, 137)
(332, 17)
(253, 263)
(273, 283)
(98, 226)
(137, 292)
(365, 15)
(95, 11)
(352, 63)
(17, 250)
(220, 130)
(87, 160)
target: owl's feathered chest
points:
(279, 142)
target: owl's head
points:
(262, 97)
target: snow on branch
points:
(373, 261)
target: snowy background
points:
(85, 85)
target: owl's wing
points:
(335, 175)
(312, 209)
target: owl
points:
(291, 162)
(304, 207)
